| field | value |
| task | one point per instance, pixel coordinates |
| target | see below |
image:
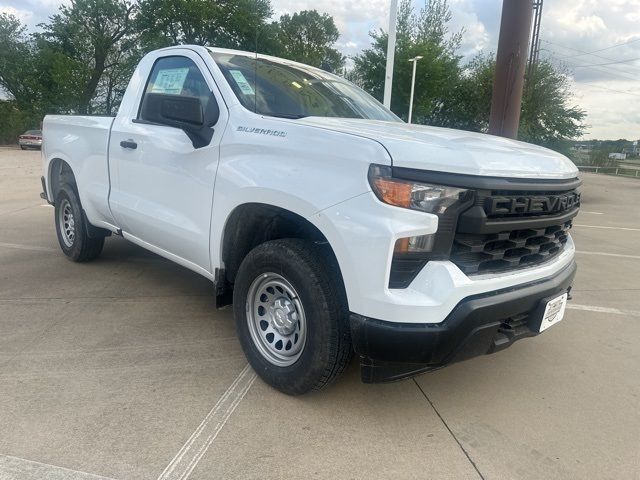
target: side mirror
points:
(172, 110)
(186, 113)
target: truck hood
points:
(454, 151)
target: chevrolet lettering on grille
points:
(539, 204)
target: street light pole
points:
(391, 52)
(414, 60)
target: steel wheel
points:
(67, 223)
(276, 319)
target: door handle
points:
(129, 144)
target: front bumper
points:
(479, 324)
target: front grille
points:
(526, 204)
(495, 252)
(497, 225)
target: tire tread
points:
(88, 248)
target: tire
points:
(314, 336)
(71, 227)
(22, 147)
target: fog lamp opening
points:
(417, 244)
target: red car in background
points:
(30, 139)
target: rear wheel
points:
(291, 315)
(71, 228)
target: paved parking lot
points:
(123, 369)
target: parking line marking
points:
(595, 308)
(592, 213)
(605, 254)
(27, 247)
(608, 228)
(201, 439)
(15, 468)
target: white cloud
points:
(610, 109)
(352, 11)
(32, 12)
(608, 93)
(476, 37)
(25, 16)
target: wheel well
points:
(60, 172)
(252, 224)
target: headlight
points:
(425, 197)
(410, 254)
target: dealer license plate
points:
(553, 312)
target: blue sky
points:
(609, 93)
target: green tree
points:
(19, 81)
(115, 79)
(309, 37)
(17, 59)
(469, 102)
(220, 23)
(81, 44)
(548, 118)
(600, 158)
(15, 121)
(425, 34)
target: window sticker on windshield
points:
(242, 82)
(170, 81)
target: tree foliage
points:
(220, 23)
(425, 34)
(548, 117)
(15, 121)
(308, 37)
(86, 40)
(17, 62)
(469, 103)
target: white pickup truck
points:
(329, 224)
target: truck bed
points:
(82, 142)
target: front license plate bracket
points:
(550, 312)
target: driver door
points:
(162, 187)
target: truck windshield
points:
(283, 89)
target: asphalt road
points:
(123, 369)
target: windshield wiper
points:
(285, 115)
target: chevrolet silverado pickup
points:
(329, 224)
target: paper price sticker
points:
(170, 81)
(242, 83)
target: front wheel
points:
(70, 227)
(291, 315)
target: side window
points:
(176, 76)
